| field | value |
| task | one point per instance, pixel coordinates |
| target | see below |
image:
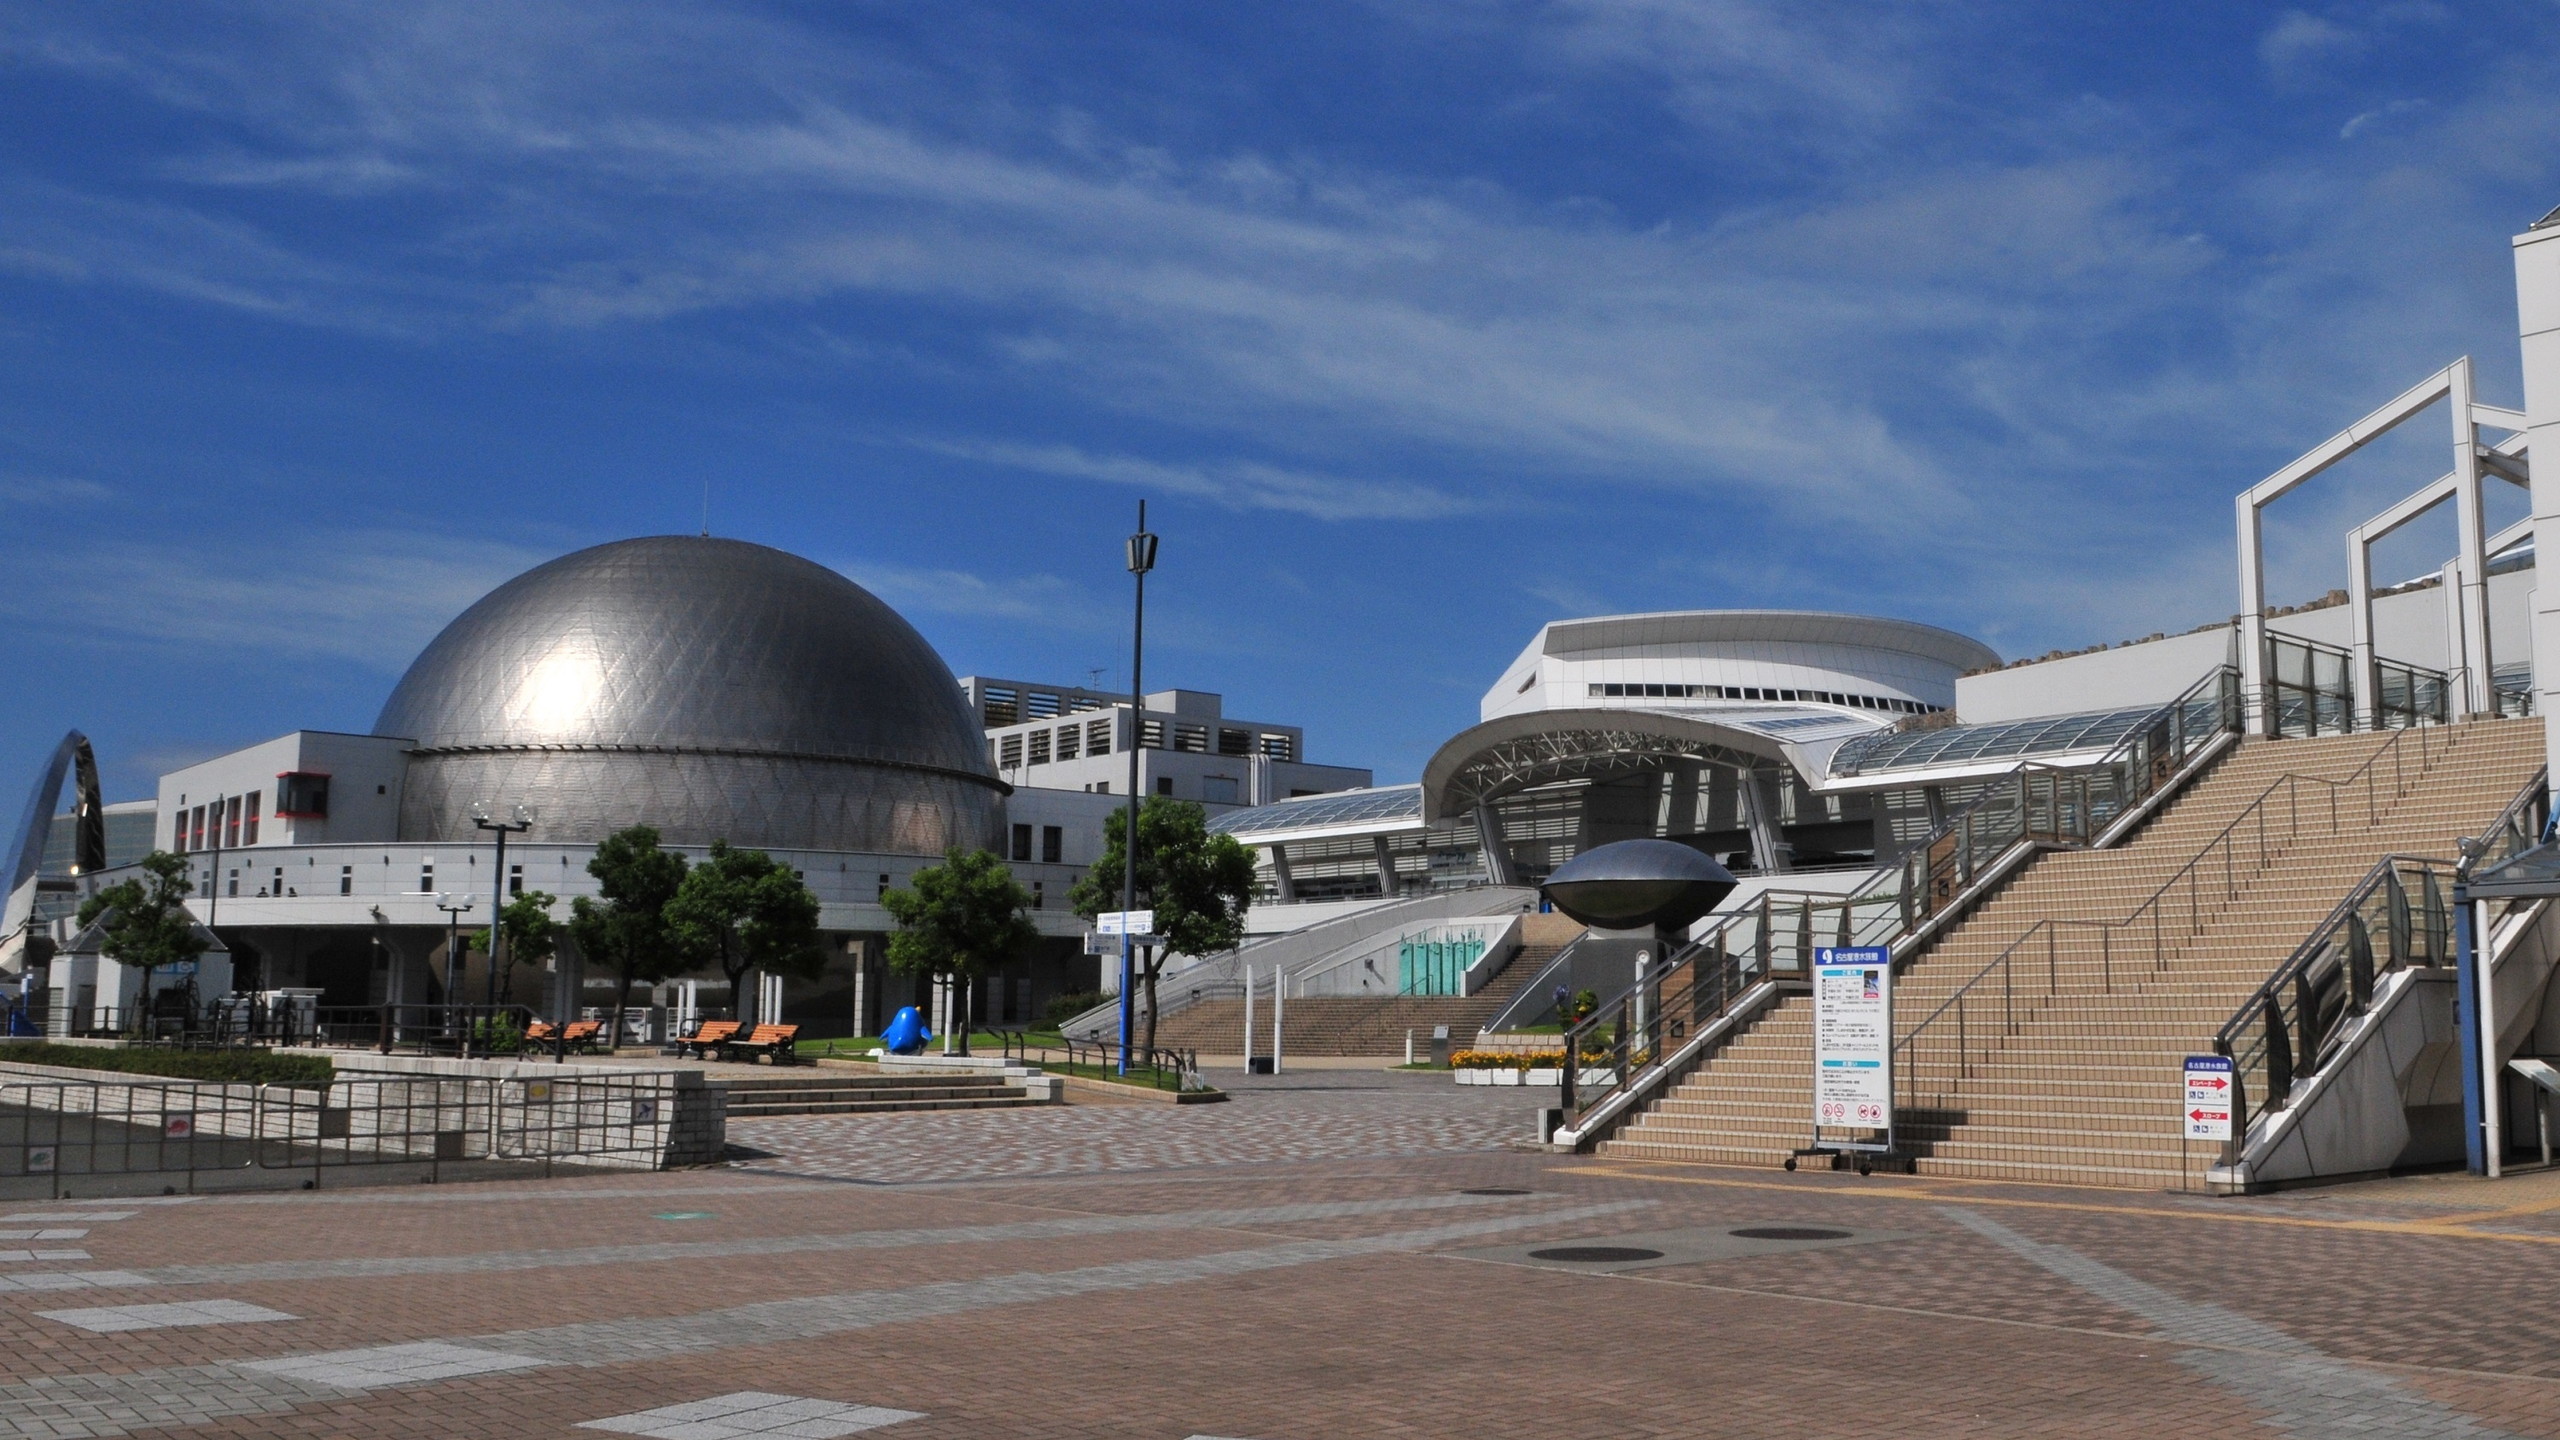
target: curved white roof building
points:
(1731, 657)
(1712, 727)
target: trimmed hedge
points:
(235, 1067)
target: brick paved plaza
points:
(1331, 1254)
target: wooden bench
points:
(582, 1036)
(713, 1035)
(773, 1041)
(541, 1032)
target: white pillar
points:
(2360, 628)
(1279, 997)
(2538, 323)
(1248, 1017)
(861, 952)
(2256, 713)
(2471, 556)
(2493, 1140)
(2449, 581)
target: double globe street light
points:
(522, 821)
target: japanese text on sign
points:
(2206, 1111)
(1853, 1037)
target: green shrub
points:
(1067, 1007)
(237, 1067)
(496, 1035)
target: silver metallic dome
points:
(712, 688)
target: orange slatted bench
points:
(770, 1040)
(713, 1035)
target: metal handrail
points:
(1158, 1063)
(1907, 1046)
(2289, 1048)
(1646, 1022)
(1933, 881)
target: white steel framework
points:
(2468, 575)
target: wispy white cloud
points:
(2299, 44)
(373, 598)
(2365, 120)
(1043, 601)
(1236, 484)
(51, 490)
(1969, 358)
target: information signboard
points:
(1125, 922)
(2207, 1107)
(1853, 1037)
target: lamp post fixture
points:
(522, 822)
(453, 910)
(1142, 558)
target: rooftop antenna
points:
(1093, 677)
(706, 507)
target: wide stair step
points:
(867, 1094)
(2080, 1086)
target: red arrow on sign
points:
(2204, 1114)
(2216, 1084)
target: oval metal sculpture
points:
(1636, 883)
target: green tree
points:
(627, 929)
(147, 924)
(962, 917)
(1199, 884)
(747, 912)
(532, 935)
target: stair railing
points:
(1619, 1047)
(2399, 916)
(1967, 1027)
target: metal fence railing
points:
(244, 1022)
(1945, 1048)
(2399, 916)
(1161, 1067)
(60, 1137)
(1631, 1036)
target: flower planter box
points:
(1549, 1076)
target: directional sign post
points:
(1140, 923)
(2206, 1110)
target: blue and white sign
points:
(1853, 1037)
(2206, 1111)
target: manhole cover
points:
(1595, 1254)
(1493, 1190)
(1788, 1232)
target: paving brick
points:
(1210, 1282)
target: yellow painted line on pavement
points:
(1945, 1193)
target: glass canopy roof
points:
(1349, 808)
(2008, 740)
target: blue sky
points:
(1419, 325)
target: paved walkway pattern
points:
(1315, 1115)
(1201, 1280)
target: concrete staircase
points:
(1349, 1024)
(840, 1093)
(2080, 1086)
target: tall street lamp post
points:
(522, 822)
(1142, 558)
(453, 910)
